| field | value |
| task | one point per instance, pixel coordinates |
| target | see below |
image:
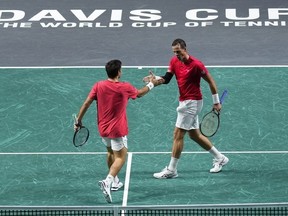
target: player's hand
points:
(156, 80)
(77, 125)
(217, 107)
(146, 79)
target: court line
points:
(142, 67)
(127, 179)
(104, 153)
(84, 207)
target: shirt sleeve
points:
(203, 70)
(93, 92)
(131, 91)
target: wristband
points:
(215, 98)
(150, 85)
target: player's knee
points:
(179, 133)
(194, 134)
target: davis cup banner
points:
(143, 18)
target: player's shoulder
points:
(126, 84)
(174, 59)
(196, 61)
(101, 82)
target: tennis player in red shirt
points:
(188, 72)
(111, 98)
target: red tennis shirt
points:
(188, 76)
(111, 100)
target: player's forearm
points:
(167, 77)
(145, 89)
(83, 109)
(212, 84)
(213, 88)
(82, 112)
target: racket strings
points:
(81, 136)
(210, 124)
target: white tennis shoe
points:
(106, 189)
(218, 164)
(165, 174)
(116, 186)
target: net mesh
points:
(150, 211)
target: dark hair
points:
(112, 68)
(180, 42)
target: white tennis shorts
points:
(187, 114)
(115, 143)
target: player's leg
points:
(183, 122)
(120, 149)
(187, 114)
(117, 184)
(120, 158)
(110, 156)
(178, 143)
(116, 157)
(203, 141)
(105, 184)
(219, 159)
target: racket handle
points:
(224, 94)
(75, 118)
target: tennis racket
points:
(81, 135)
(211, 121)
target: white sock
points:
(173, 164)
(116, 179)
(109, 178)
(215, 152)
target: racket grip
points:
(224, 94)
(75, 118)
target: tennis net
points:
(199, 210)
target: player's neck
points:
(114, 80)
(186, 59)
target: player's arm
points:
(152, 82)
(85, 106)
(143, 91)
(166, 78)
(160, 79)
(213, 88)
